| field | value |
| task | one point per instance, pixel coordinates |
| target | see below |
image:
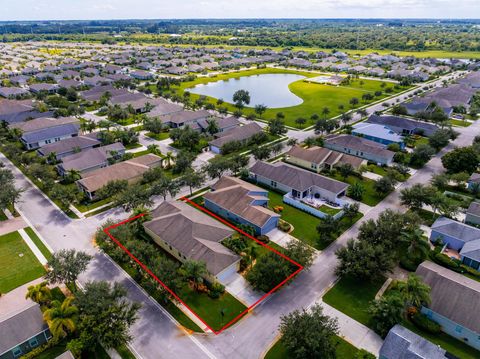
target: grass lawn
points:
(427, 217)
(92, 205)
(38, 242)
(159, 137)
(315, 96)
(3, 217)
(345, 350)
(370, 196)
(304, 224)
(353, 298)
(210, 309)
(18, 264)
(450, 344)
(133, 146)
(460, 123)
(329, 210)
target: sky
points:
(189, 9)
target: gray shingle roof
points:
(296, 178)
(402, 122)
(458, 230)
(20, 327)
(193, 233)
(68, 145)
(359, 144)
(453, 295)
(234, 195)
(240, 133)
(402, 343)
(90, 158)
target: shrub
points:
(470, 270)
(408, 264)
(216, 290)
(425, 323)
(284, 226)
(443, 260)
(264, 239)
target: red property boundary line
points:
(144, 267)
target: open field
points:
(315, 96)
(18, 265)
(419, 54)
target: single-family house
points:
(223, 123)
(401, 343)
(189, 234)
(183, 118)
(377, 133)
(404, 126)
(243, 203)
(12, 111)
(473, 181)
(297, 182)
(43, 87)
(360, 147)
(13, 92)
(22, 331)
(318, 158)
(473, 213)
(43, 131)
(460, 237)
(238, 134)
(69, 146)
(91, 159)
(130, 171)
(454, 303)
(141, 75)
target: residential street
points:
(156, 334)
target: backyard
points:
(19, 264)
(304, 224)
(315, 96)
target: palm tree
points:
(61, 317)
(414, 292)
(194, 271)
(325, 112)
(39, 293)
(73, 175)
(154, 148)
(417, 247)
(169, 158)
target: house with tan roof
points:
(318, 158)
(242, 202)
(130, 171)
(188, 234)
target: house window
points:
(33, 342)
(273, 183)
(314, 166)
(458, 328)
(17, 352)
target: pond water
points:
(270, 90)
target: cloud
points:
(161, 9)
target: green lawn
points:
(329, 210)
(18, 264)
(210, 309)
(315, 96)
(3, 217)
(370, 196)
(304, 224)
(85, 207)
(460, 123)
(38, 242)
(345, 350)
(159, 137)
(353, 298)
(133, 146)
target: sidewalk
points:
(12, 225)
(15, 301)
(353, 332)
(41, 258)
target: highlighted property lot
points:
(183, 301)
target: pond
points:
(270, 90)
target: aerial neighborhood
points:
(184, 189)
